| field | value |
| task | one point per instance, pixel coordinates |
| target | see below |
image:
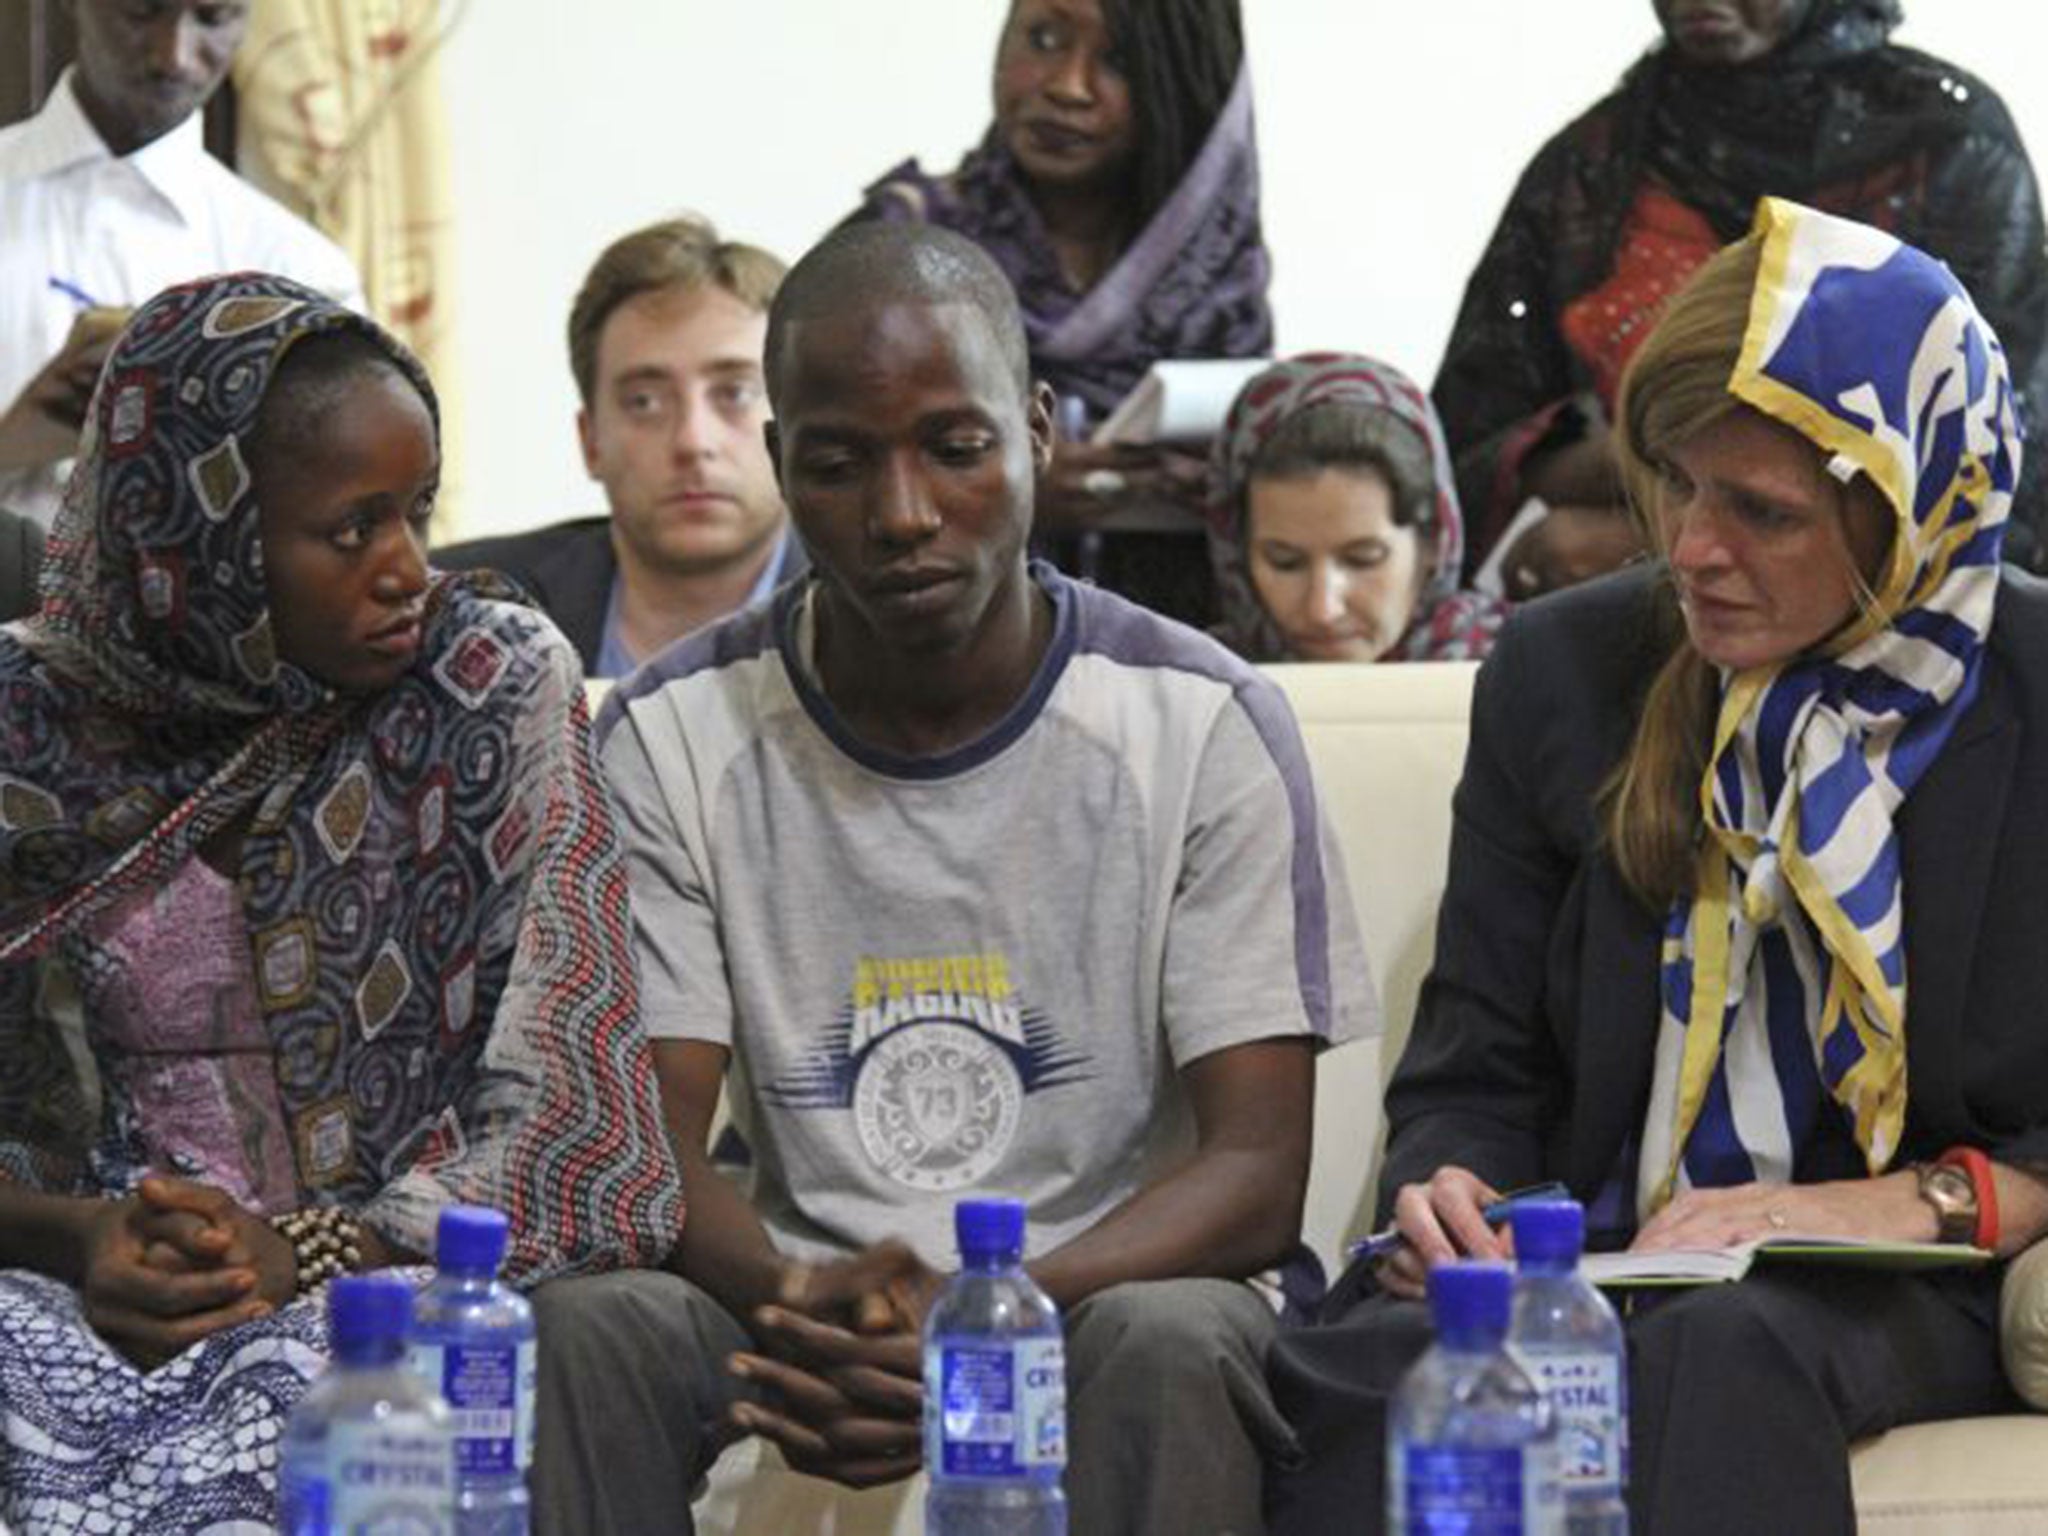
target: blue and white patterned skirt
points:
(89, 1443)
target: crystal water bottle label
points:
(377, 1477)
(489, 1389)
(1460, 1490)
(1585, 1394)
(1042, 1383)
(1002, 1407)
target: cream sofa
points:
(1387, 743)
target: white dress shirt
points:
(119, 228)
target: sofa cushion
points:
(1957, 1477)
(2023, 1324)
(1387, 744)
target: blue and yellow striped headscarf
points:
(1784, 975)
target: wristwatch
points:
(1953, 1194)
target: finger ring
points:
(1104, 484)
(1777, 1219)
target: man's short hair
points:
(683, 252)
(869, 265)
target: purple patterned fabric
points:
(189, 1062)
(1193, 283)
(1449, 624)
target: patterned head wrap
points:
(1871, 350)
(399, 850)
(1192, 282)
(154, 577)
(155, 607)
(1448, 624)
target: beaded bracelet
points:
(326, 1241)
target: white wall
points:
(1390, 133)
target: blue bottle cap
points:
(367, 1315)
(989, 1229)
(471, 1239)
(1469, 1300)
(1548, 1233)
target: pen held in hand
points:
(73, 292)
(1387, 1239)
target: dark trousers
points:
(1743, 1398)
(1169, 1416)
(632, 1404)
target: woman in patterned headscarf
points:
(1805, 99)
(1333, 524)
(1741, 930)
(1118, 189)
(311, 914)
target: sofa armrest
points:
(2023, 1324)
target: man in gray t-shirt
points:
(962, 879)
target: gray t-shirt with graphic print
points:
(975, 974)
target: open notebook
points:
(1182, 400)
(1704, 1266)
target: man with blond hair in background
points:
(665, 343)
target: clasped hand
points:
(176, 1262)
(840, 1370)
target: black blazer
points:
(568, 568)
(21, 561)
(1536, 1029)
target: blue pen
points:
(1389, 1238)
(74, 293)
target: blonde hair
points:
(684, 252)
(1676, 385)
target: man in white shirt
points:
(108, 195)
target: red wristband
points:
(1978, 1167)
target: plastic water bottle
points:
(1471, 1445)
(473, 1342)
(995, 1394)
(1568, 1338)
(369, 1448)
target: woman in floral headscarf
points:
(311, 914)
(1741, 930)
(1333, 526)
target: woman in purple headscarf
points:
(1334, 526)
(1118, 188)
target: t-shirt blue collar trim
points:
(1020, 718)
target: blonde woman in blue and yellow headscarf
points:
(1742, 932)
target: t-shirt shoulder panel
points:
(1121, 632)
(744, 636)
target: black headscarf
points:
(1796, 120)
(1836, 116)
